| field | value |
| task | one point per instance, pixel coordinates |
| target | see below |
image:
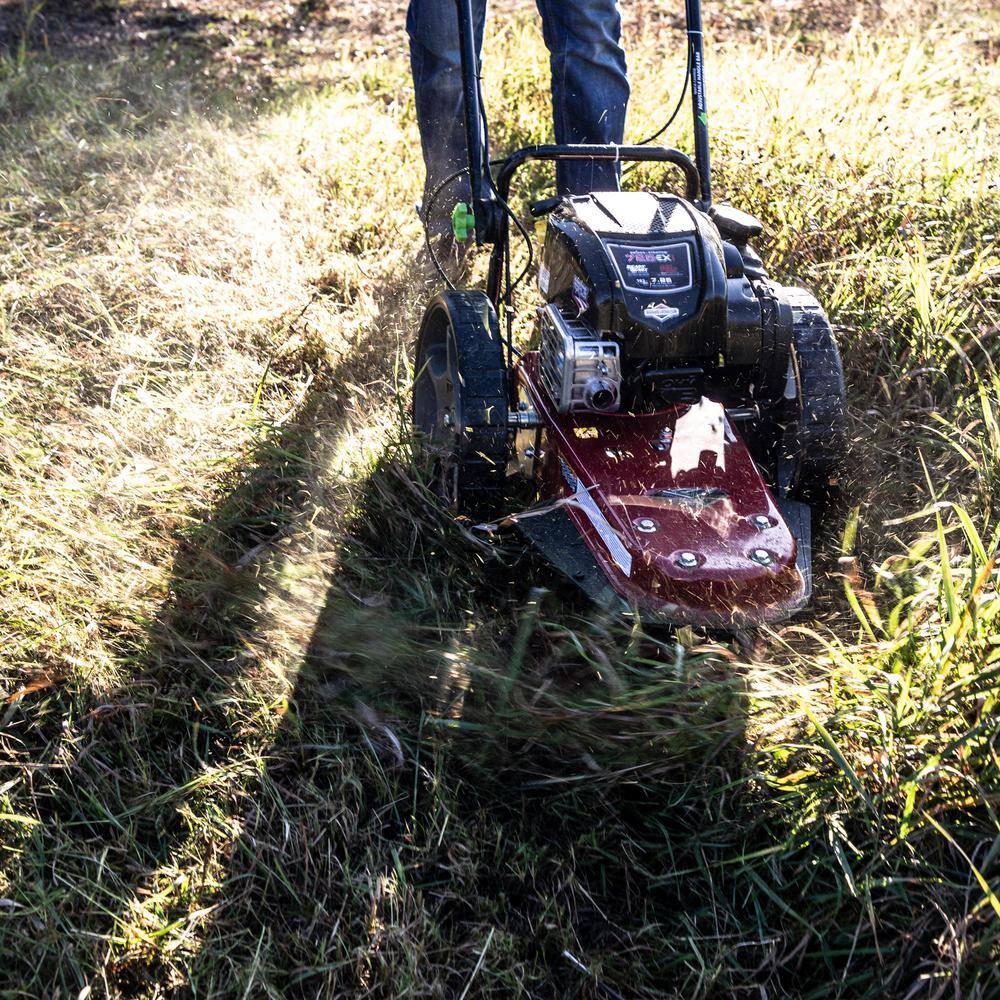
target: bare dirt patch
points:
(243, 31)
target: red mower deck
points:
(673, 510)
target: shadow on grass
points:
(466, 782)
(84, 26)
(462, 761)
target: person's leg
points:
(590, 89)
(437, 83)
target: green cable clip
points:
(463, 222)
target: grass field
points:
(272, 725)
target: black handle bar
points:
(635, 154)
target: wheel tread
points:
(484, 443)
(821, 428)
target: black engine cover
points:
(647, 269)
(691, 312)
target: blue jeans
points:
(590, 87)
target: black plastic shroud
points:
(691, 312)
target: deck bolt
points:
(762, 556)
(447, 419)
(529, 452)
(761, 522)
(687, 559)
(646, 524)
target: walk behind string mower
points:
(680, 410)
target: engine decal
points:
(664, 268)
(661, 311)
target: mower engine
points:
(683, 405)
(651, 303)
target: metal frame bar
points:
(699, 102)
(474, 133)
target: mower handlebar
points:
(497, 225)
(649, 154)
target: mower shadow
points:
(404, 742)
(438, 712)
(414, 734)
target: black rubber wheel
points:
(814, 428)
(460, 401)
